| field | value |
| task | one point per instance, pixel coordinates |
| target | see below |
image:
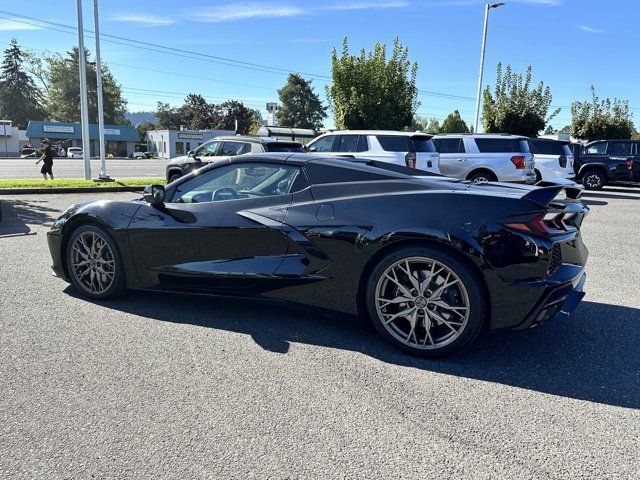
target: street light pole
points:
(84, 108)
(103, 163)
(487, 7)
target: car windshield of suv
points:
(283, 147)
(499, 145)
(423, 144)
(547, 147)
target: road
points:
(160, 386)
(73, 168)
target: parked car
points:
(137, 155)
(415, 150)
(553, 159)
(28, 151)
(341, 236)
(224, 148)
(74, 152)
(486, 157)
(608, 161)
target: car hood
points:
(181, 160)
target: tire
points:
(538, 176)
(594, 180)
(482, 176)
(93, 244)
(444, 338)
(173, 177)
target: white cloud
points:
(15, 24)
(367, 5)
(586, 28)
(245, 10)
(143, 19)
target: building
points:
(173, 143)
(12, 139)
(302, 135)
(120, 139)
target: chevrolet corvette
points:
(430, 260)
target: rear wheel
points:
(94, 263)
(425, 301)
(594, 180)
(482, 176)
(174, 177)
(538, 176)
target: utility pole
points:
(84, 107)
(487, 7)
(103, 162)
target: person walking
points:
(47, 158)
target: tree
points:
(601, 119)
(198, 114)
(63, 103)
(515, 107)
(371, 91)
(550, 130)
(454, 124)
(20, 99)
(565, 129)
(168, 117)
(142, 130)
(233, 111)
(300, 105)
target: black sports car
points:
(428, 259)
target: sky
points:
(221, 48)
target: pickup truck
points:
(604, 162)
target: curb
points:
(56, 190)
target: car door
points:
(453, 161)
(636, 163)
(323, 144)
(621, 151)
(219, 231)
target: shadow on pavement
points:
(611, 195)
(594, 356)
(16, 216)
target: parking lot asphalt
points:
(74, 168)
(159, 386)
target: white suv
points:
(74, 152)
(486, 157)
(411, 149)
(554, 159)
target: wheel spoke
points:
(401, 313)
(427, 328)
(441, 320)
(402, 288)
(386, 302)
(446, 306)
(413, 321)
(92, 262)
(407, 271)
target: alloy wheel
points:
(592, 180)
(422, 303)
(92, 262)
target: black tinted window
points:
(498, 145)
(449, 145)
(283, 147)
(619, 148)
(363, 143)
(423, 144)
(394, 143)
(545, 147)
(347, 143)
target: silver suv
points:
(486, 157)
(411, 149)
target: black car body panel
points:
(614, 161)
(317, 245)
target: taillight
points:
(519, 162)
(410, 160)
(548, 224)
(563, 161)
(629, 163)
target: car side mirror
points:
(154, 194)
(305, 148)
(191, 153)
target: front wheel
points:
(480, 177)
(425, 301)
(95, 264)
(594, 180)
(174, 177)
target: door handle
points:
(461, 159)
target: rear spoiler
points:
(548, 190)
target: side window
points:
(449, 145)
(238, 181)
(324, 144)
(619, 148)
(231, 149)
(597, 148)
(394, 143)
(347, 143)
(363, 143)
(500, 145)
(208, 149)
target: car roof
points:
(480, 135)
(378, 132)
(252, 139)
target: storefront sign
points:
(58, 129)
(191, 136)
(112, 131)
